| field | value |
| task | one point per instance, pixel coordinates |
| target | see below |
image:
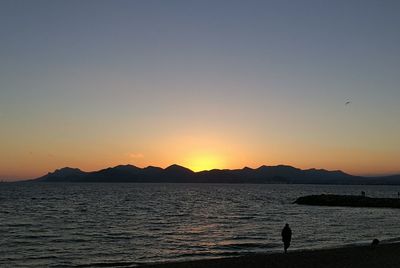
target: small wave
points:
(68, 240)
(20, 225)
(47, 198)
(117, 237)
(110, 264)
(43, 257)
(207, 254)
(239, 246)
(34, 237)
(243, 237)
(245, 217)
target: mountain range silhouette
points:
(178, 174)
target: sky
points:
(204, 84)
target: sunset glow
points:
(204, 162)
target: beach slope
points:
(386, 255)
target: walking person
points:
(286, 237)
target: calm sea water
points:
(64, 225)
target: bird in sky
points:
(347, 103)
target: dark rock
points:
(348, 201)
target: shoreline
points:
(384, 255)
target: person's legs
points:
(286, 246)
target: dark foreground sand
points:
(383, 256)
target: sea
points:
(125, 225)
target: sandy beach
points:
(383, 256)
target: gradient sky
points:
(204, 84)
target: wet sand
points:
(383, 256)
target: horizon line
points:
(253, 168)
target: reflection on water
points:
(75, 224)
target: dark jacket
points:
(286, 234)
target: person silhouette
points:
(286, 237)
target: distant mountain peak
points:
(177, 167)
(277, 166)
(327, 171)
(62, 173)
(174, 166)
(247, 168)
(153, 167)
(286, 166)
(128, 166)
(66, 170)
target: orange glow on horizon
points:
(192, 149)
(200, 162)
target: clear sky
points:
(204, 84)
